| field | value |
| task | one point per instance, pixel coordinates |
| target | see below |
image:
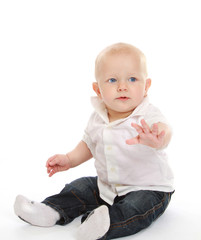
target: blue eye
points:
(112, 80)
(132, 79)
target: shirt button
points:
(117, 185)
(112, 169)
(109, 148)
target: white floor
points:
(178, 223)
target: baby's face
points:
(121, 83)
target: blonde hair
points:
(119, 48)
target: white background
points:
(47, 53)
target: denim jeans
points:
(128, 215)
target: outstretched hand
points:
(57, 163)
(147, 136)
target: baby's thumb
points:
(132, 141)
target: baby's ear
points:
(96, 89)
(147, 85)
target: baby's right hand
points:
(57, 163)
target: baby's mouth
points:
(123, 98)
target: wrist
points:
(68, 161)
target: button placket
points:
(109, 149)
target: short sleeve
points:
(87, 140)
(154, 115)
(86, 137)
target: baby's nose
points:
(122, 87)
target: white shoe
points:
(96, 225)
(35, 213)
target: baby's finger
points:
(137, 127)
(54, 162)
(49, 160)
(49, 169)
(51, 173)
(132, 141)
(155, 129)
(161, 136)
(145, 126)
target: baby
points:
(126, 135)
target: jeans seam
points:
(95, 196)
(135, 218)
(83, 204)
(169, 198)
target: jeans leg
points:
(135, 211)
(75, 199)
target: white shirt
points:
(123, 168)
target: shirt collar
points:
(100, 108)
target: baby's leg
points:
(135, 211)
(35, 213)
(75, 199)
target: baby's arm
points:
(156, 137)
(62, 162)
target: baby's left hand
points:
(147, 136)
